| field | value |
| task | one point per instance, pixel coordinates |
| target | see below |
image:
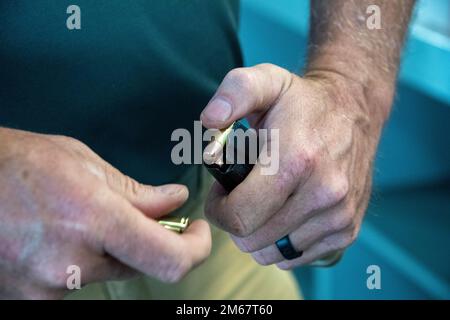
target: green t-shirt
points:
(134, 72)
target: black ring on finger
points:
(286, 249)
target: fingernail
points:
(171, 189)
(217, 110)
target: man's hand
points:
(328, 136)
(62, 205)
(329, 121)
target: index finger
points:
(145, 245)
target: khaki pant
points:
(226, 274)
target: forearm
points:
(342, 43)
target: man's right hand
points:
(62, 205)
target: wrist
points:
(355, 75)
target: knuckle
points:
(343, 220)
(239, 228)
(73, 141)
(241, 78)
(112, 178)
(64, 139)
(176, 270)
(286, 266)
(268, 66)
(230, 221)
(261, 258)
(307, 160)
(296, 167)
(337, 193)
(125, 184)
(347, 240)
(271, 68)
(352, 238)
(243, 244)
(353, 235)
(304, 162)
(131, 186)
(332, 193)
(282, 182)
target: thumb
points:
(244, 91)
(154, 201)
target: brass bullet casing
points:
(214, 150)
(177, 224)
(221, 156)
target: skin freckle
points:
(25, 174)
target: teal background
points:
(407, 227)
